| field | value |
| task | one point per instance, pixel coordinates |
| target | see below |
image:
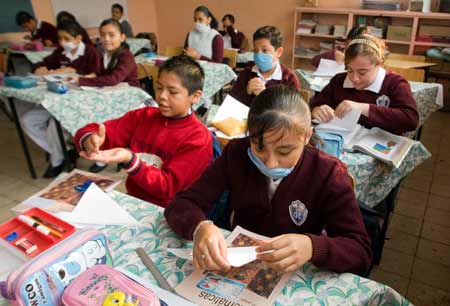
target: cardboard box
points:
(429, 30)
(399, 33)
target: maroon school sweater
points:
(398, 117)
(83, 65)
(125, 70)
(239, 90)
(47, 31)
(319, 181)
(237, 38)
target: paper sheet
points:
(347, 123)
(234, 109)
(237, 256)
(97, 208)
(328, 68)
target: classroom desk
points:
(34, 57)
(395, 63)
(374, 180)
(246, 57)
(137, 44)
(429, 96)
(216, 75)
(74, 109)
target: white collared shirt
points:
(38, 26)
(375, 86)
(276, 75)
(106, 59)
(79, 52)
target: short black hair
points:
(229, 17)
(356, 31)
(117, 6)
(187, 70)
(71, 27)
(23, 17)
(64, 16)
(271, 33)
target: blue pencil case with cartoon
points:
(19, 82)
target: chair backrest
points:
(146, 70)
(406, 57)
(174, 51)
(416, 75)
(245, 45)
(231, 55)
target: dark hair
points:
(229, 17)
(117, 6)
(356, 31)
(23, 17)
(71, 27)
(187, 70)
(278, 107)
(123, 46)
(271, 33)
(203, 9)
(64, 16)
(369, 46)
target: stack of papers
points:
(328, 68)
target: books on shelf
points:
(323, 29)
(306, 26)
(381, 5)
(340, 30)
(377, 32)
(306, 52)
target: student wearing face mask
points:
(73, 56)
(204, 42)
(268, 71)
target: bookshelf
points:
(350, 17)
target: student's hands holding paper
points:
(290, 252)
(210, 249)
(255, 86)
(116, 155)
(323, 113)
(192, 53)
(347, 105)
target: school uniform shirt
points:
(319, 186)
(281, 75)
(208, 44)
(45, 31)
(173, 153)
(392, 105)
(125, 70)
(84, 60)
(232, 38)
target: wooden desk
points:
(394, 63)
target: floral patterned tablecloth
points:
(245, 57)
(429, 96)
(137, 44)
(374, 179)
(78, 107)
(308, 286)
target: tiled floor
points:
(416, 258)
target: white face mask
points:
(69, 46)
(201, 27)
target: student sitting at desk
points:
(232, 38)
(268, 71)
(73, 56)
(260, 171)
(337, 53)
(40, 30)
(117, 14)
(384, 98)
(66, 16)
(204, 42)
(163, 149)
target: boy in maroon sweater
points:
(281, 187)
(385, 99)
(163, 149)
(40, 30)
(268, 71)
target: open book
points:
(252, 284)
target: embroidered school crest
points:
(298, 212)
(383, 101)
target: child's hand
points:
(41, 71)
(339, 56)
(290, 251)
(90, 75)
(92, 143)
(210, 249)
(116, 155)
(347, 105)
(74, 79)
(323, 113)
(48, 43)
(255, 86)
(192, 53)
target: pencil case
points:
(42, 280)
(331, 143)
(19, 82)
(57, 87)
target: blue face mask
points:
(264, 61)
(274, 173)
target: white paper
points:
(328, 68)
(236, 257)
(97, 208)
(347, 123)
(231, 108)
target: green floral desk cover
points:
(429, 96)
(308, 286)
(245, 57)
(137, 44)
(374, 179)
(78, 107)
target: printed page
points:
(328, 68)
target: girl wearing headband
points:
(384, 98)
